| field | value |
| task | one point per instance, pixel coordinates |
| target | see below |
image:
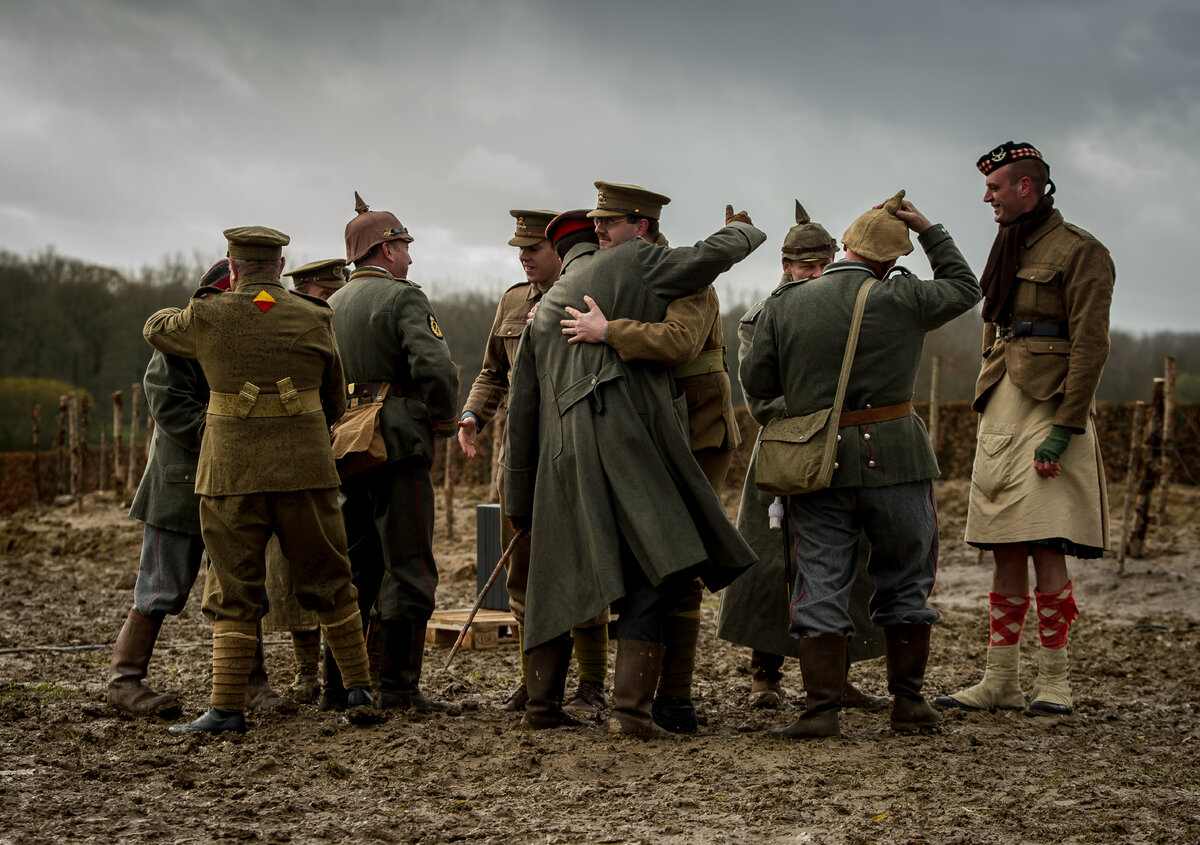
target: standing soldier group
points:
(610, 362)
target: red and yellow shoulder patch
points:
(264, 301)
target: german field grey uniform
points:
(885, 464)
(265, 463)
(387, 334)
(754, 609)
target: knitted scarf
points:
(1001, 270)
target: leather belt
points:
(709, 361)
(874, 415)
(1024, 329)
(366, 392)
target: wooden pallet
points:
(489, 628)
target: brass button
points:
(866, 435)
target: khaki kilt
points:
(1010, 502)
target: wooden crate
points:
(489, 628)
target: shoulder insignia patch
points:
(433, 327)
(264, 301)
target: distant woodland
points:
(66, 325)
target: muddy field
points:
(1122, 769)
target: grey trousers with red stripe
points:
(900, 520)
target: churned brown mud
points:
(1122, 769)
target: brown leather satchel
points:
(358, 443)
(797, 455)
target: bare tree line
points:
(79, 325)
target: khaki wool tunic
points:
(1027, 384)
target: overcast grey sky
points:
(132, 130)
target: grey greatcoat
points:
(177, 394)
(597, 455)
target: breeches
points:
(170, 561)
(900, 521)
(311, 534)
(389, 521)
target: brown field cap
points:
(256, 243)
(617, 200)
(531, 225)
(327, 273)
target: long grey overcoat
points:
(597, 452)
(177, 394)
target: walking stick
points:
(462, 635)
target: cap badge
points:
(998, 155)
(602, 200)
(264, 301)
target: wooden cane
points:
(462, 635)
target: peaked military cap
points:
(531, 226)
(567, 223)
(256, 243)
(327, 273)
(807, 241)
(879, 234)
(370, 228)
(617, 200)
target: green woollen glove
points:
(1054, 445)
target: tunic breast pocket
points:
(993, 457)
(1038, 297)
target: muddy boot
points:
(547, 679)
(591, 656)
(333, 693)
(1052, 692)
(823, 668)
(855, 699)
(259, 693)
(306, 653)
(400, 672)
(673, 708)
(765, 680)
(639, 664)
(215, 720)
(518, 698)
(131, 656)
(907, 655)
(1000, 688)
(234, 647)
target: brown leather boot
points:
(639, 664)
(306, 656)
(907, 655)
(259, 693)
(823, 667)
(131, 656)
(547, 681)
(400, 670)
(855, 699)
(766, 679)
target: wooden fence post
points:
(101, 476)
(60, 448)
(1132, 470)
(81, 445)
(1151, 440)
(37, 456)
(131, 479)
(1168, 439)
(118, 477)
(73, 445)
